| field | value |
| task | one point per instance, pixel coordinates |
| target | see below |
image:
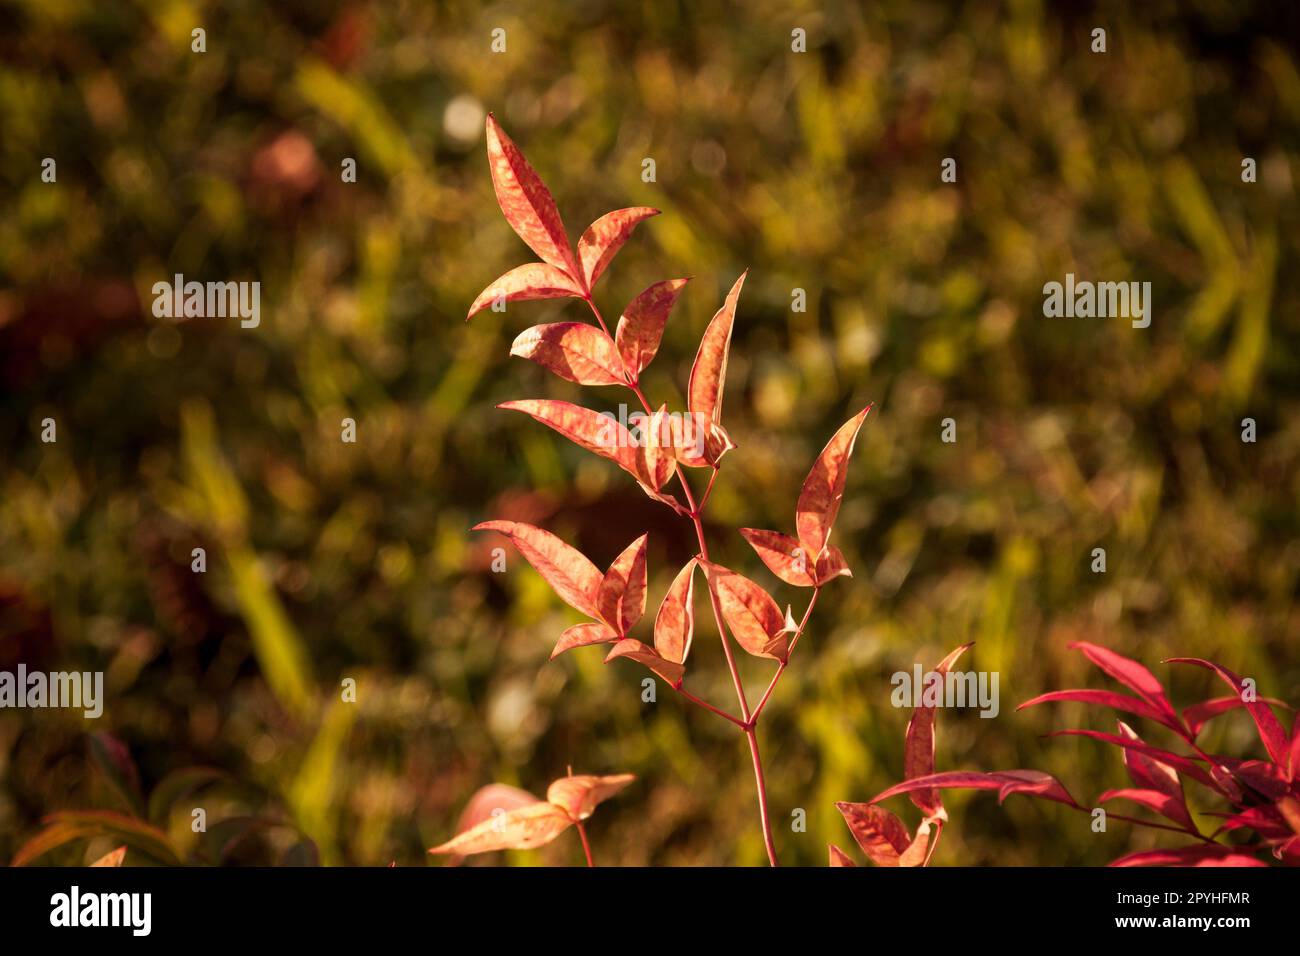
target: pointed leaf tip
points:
(819, 498)
(526, 203)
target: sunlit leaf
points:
(526, 202)
(566, 569)
(578, 796)
(838, 857)
(643, 654)
(1006, 782)
(1270, 728)
(601, 434)
(918, 746)
(641, 326)
(1105, 698)
(819, 499)
(583, 635)
(523, 828)
(751, 614)
(675, 622)
(783, 556)
(709, 373)
(1133, 676)
(113, 858)
(621, 599)
(533, 280)
(572, 350)
(879, 833)
(604, 237)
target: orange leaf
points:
(819, 500)
(838, 856)
(575, 579)
(112, 858)
(578, 796)
(753, 617)
(621, 599)
(918, 747)
(690, 439)
(583, 635)
(489, 802)
(533, 280)
(604, 237)
(656, 458)
(782, 555)
(522, 828)
(709, 373)
(831, 565)
(675, 622)
(572, 350)
(641, 326)
(602, 434)
(526, 202)
(634, 649)
(914, 855)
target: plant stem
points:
(709, 707)
(780, 669)
(746, 723)
(586, 847)
(762, 795)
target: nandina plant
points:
(1261, 798)
(659, 447)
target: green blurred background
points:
(817, 171)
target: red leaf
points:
(1197, 716)
(1150, 774)
(601, 434)
(566, 569)
(1007, 782)
(572, 350)
(783, 556)
(1163, 804)
(918, 747)
(641, 326)
(753, 617)
(881, 835)
(533, 280)
(838, 856)
(1270, 728)
(579, 796)
(523, 828)
(675, 622)
(1207, 855)
(1133, 676)
(1179, 762)
(1106, 698)
(642, 654)
(1293, 761)
(604, 237)
(709, 374)
(622, 592)
(583, 635)
(819, 499)
(526, 202)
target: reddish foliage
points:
(651, 451)
(1262, 796)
